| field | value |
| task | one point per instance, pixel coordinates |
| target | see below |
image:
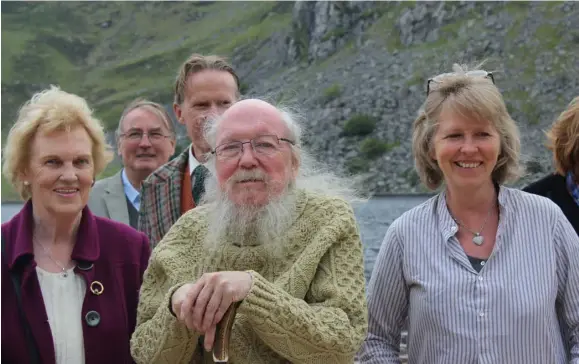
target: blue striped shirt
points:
(507, 313)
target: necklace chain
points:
(48, 253)
(477, 239)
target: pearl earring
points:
(26, 183)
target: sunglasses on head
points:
(475, 73)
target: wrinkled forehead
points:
(143, 118)
(248, 123)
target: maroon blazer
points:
(110, 252)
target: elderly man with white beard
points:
(276, 237)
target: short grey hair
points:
(153, 107)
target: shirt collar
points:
(448, 227)
(572, 187)
(131, 192)
(193, 162)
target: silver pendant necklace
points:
(49, 255)
(477, 238)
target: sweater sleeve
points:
(330, 325)
(159, 337)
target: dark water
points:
(374, 218)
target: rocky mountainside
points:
(355, 70)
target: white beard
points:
(229, 223)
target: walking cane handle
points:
(223, 335)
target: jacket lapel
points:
(116, 201)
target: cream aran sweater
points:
(307, 306)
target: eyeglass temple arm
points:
(428, 86)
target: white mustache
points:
(244, 175)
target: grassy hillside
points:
(112, 52)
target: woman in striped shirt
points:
(482, 272)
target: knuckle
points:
(206, 277)
(226, 287)
(215, 278)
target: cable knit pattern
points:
(306, 305)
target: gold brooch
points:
(97, 288)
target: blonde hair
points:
(475, 97)
(49, 110)
(563, 140)
(157, 109)
(197, 63)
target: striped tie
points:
(197, 182)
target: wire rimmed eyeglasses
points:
(137, 136)
(264, 145)
(475, 73)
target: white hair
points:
(312, 175)
(263, 225)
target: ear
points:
(295, 165)
(432, 154)
(177, 110)
(173, 142)
(24, 176)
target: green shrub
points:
(332, 92)
(373, 148)
(359, 125)
(357, 165)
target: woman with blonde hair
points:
(482, 272)
(70, 280)
(562, 187)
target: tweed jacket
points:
(161, 198)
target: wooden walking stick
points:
(223, 335)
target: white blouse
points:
(63, 298)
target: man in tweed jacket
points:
(205, 86)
